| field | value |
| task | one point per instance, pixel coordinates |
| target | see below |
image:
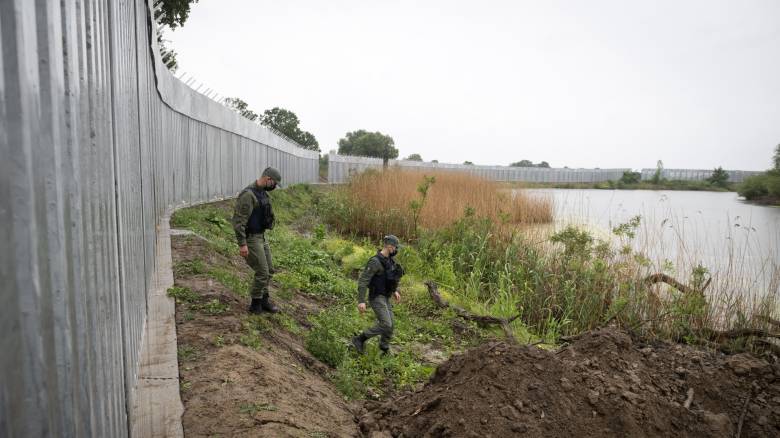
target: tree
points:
(414, 157)
(168, 55)
(174, 13)
(286, 122)
(659, 168)
(522, 163)
(238, 105)
(630, 177)
(719, 177)
(544, 164)
(468, 163)
(368, 144)
(776, 158)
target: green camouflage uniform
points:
(380, 304)
(259, 258)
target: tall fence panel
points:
(97, 141)
(736, 176)
(342, 167)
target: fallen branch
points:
(689, 399)
(671, 281)
(742, 417)
(720, 337)
(482, 320)
(768, 320)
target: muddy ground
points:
(229, 389)
(604, 384)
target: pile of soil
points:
(230, 389)
(603, 384)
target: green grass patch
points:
(213, 307)
(253, 408)
(183, 294)
(231, 279)
(189, 267)
(186, 353)
(253, 328)
(288, 323)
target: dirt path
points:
(245, 376)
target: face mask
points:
(270, 188)
(393, 253)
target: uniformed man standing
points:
(380, 278)
(252, 217)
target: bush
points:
(754, 187)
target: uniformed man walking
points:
(380, 278)
(252, 217)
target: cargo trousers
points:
(259, 259)
(383, 310)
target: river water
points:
(738, 242)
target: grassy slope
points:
(312, 261)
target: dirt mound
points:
(603, 384)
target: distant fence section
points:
(696, 174)
(341, 167)
(97, 141)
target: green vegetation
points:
(368, 144)
(186, 352)
(764, 188)
(253, 408)
(529, 163)
(566, 283)
(183, 295)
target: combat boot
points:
(385, 351)
(267, 305)
(359, 343)
(256, 306)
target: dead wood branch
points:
(482, 320)
(689, 399)
(742, 416)
(671, 281)
(769, 320)
(721, 337)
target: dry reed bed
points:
(381, 201)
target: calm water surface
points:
(731, 237)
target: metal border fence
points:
(341, 167)
(97, 140)
(736, 176)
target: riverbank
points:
(256, 371)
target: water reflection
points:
(737, 241)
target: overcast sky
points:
(575, 83)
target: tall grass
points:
(562, 281)
(376, 203)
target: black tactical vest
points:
(262, 217)
(385, 283)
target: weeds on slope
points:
(325, 266)
(561, 284)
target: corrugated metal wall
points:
(97, 139)
(696, 174)
(340, 167)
